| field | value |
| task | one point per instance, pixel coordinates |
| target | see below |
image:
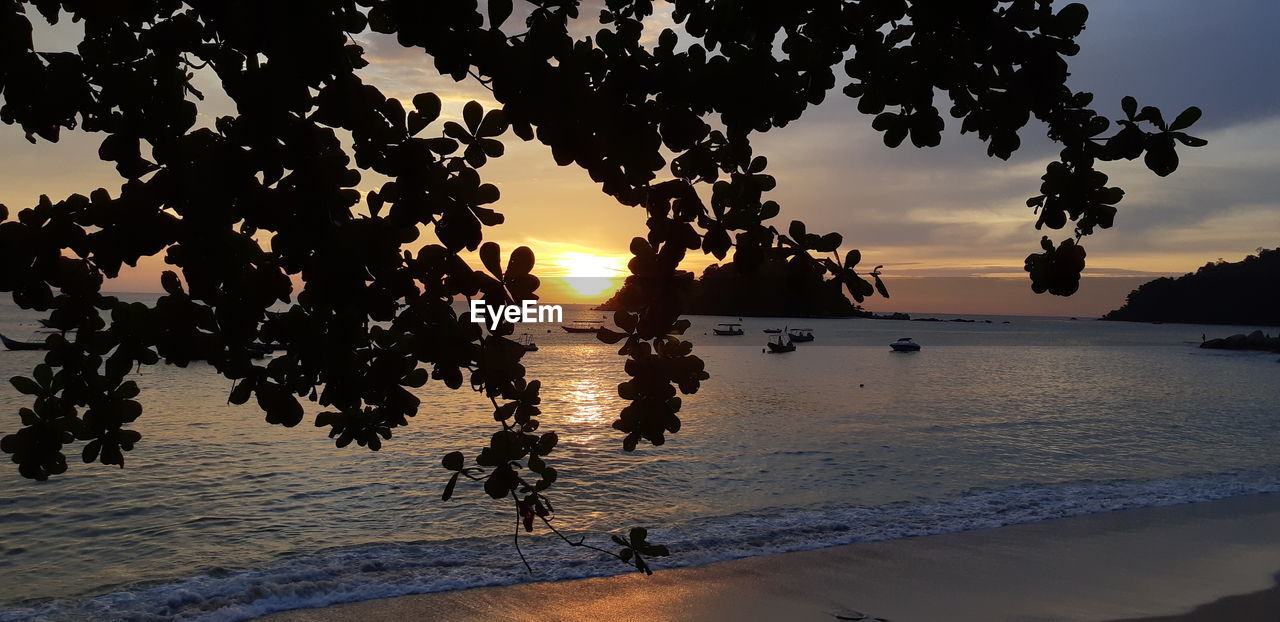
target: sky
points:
(949, 224)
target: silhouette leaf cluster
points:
(246, 207)
(776, 288)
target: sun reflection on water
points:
(586, 409)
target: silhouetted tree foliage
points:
(774, 288)
(242, 206)
(1244, 292)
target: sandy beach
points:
(1204, 561)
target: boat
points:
(527, 343)
(729, 330)
(800, 335)
(581, 326)
(778, 347)
(259, 349)
(905, 345)
(773, 331)
(24, 345)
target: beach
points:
(989, 427)
(1202, 561)
(455, 310)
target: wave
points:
(362, 573)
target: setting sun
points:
(313, 310)
(588, 276)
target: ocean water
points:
(220, 516)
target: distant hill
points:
(775, 289)
(1244, 292)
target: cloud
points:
(953, 208)
(1219, 56)
(946, 212)
(1001, 296)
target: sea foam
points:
(361, 573)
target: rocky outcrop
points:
(1257, 340)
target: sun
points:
(587, 275)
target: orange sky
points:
(949, 224)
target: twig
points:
(516, 536)
(581, 541)
(483, 82)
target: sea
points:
(1005, 420)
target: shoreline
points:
(1182, 563)
(1262, 605)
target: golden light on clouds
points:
(588, 275)
(577, 273)
(573, 272)
(946, 214)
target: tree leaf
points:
(240, 394)
(428, 106)
(521, 262)
(1186, 119)
(471, 115)
(797, 231)
(1152, 115)
(494, 124)
(1130, 106)
(448, 488)
(90, 452)
(491, 257)
(829, 243)
(1190, 141)
(25, 385)
(453, 461)
(1161, 156)
(884, 291)
(499, 11)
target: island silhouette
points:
(1245, 292)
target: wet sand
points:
(1185, 563)
(1264, 605)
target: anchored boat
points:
(527, 343)
(800, 335)
(728, 330)
(23, 345)
(905, 345)
(779, 346)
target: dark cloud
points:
(1221, 56)
(948, 211)
(950, 204)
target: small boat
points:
(581, 326)
(773, 331)
(23, 345)
(206, 350)
(728, 330)
(259, 349)
(778, 347)
(800, 335)
(905, 345)
(527, 343)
